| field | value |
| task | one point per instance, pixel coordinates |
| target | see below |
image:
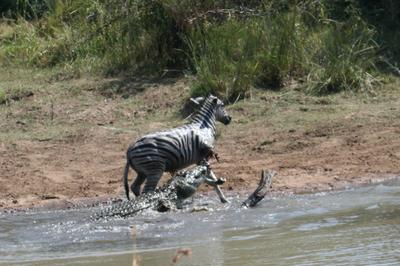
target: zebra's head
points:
(221, 114)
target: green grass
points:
(11, 91)
(231, 58)
(65, 109)
(3, 96)
(326, 46)
(269, 52)
(225, 62)
(347, 59)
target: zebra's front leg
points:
(217, 188)
(213, 183)
(212, 154)
(216, 181)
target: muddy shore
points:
(65, 174)
(74, 147)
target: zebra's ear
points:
(197, 100)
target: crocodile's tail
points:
(125, 179)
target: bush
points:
(29, 9)
(230, 46)
(283, 52)
(232, 57)
(346, 58)
(268, 51)
(23, 45)
(113, 34)
(224, 59)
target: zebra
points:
(175, 149)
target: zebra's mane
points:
(204, 111)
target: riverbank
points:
(64, 137)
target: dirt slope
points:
(73, 145)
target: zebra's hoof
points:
(220, 181)
(136, 191)
(223, 200)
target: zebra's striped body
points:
(175, 149)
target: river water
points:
(358, 226)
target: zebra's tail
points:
(126, 185)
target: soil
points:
(345, 146)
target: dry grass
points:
(47, 105)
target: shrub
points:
(283, 51)
(111, 34)
(23, 45)
(230, 46)
(346, 58)
(224, 59)
(28, 9)
(262, 51)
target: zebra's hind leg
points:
(151, 183)
(135, 187)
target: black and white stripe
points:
(175, 149)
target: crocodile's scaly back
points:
(182, 186)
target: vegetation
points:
(229, 47)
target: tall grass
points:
(109, 35)
(232, 57)
(28, 9)
(346, 59)
(271, 50)
(229, 46)
(30, 45)
(224, 58)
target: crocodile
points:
(182, 186)
(170, 197)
